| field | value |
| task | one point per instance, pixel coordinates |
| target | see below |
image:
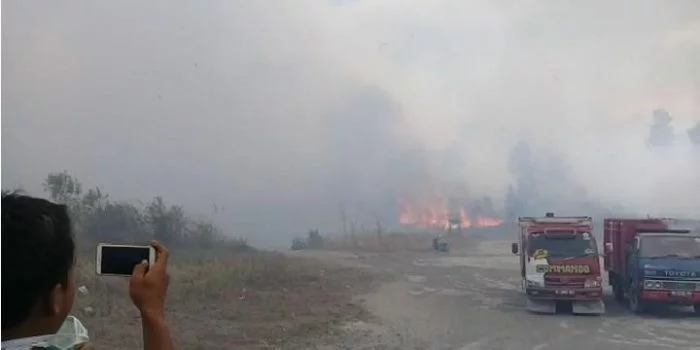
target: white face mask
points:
(72, 333)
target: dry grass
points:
(403, 242)
(388, 243)
(221, 300)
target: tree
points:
(204, 233)
(93, 199)
(168, 224)
(314, 241)
(116, 223)
(694, 134)
(660, 131)
(62, 187)
(66, 189)
(97, 218)
(157, 217)
(513, 205)
(523, 165)
(7, 191)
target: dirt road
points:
(471, 299)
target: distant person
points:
(39, 278)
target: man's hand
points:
(149, 285)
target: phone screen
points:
(121, 260)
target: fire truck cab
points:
(559, 264)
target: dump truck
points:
(560, 264)
(653, 261)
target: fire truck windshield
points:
(579, 245)
(662, 246)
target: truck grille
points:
(679, 285)
(572, 282)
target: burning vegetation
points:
(440, 214)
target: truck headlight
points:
(592, 283)
(652, 285)
(531, 283)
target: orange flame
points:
(487, 222)
(438, 216)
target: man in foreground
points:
(39, 277)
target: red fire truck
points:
(560, 264)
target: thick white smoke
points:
(259, 105)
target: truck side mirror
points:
(608, 248)
(514, 248)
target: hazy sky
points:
(280, 109)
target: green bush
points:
(97, 218)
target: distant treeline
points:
(98, 218)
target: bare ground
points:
(471, 299)
(227, 301)
(380, 298)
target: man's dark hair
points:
(38, 252)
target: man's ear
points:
(57, 300)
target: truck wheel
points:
(636, 305)
(618, 291)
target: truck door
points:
(632, 269)
(523, 252)
(522, 263)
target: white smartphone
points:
(120, 260)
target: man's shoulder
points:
(26, 343)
